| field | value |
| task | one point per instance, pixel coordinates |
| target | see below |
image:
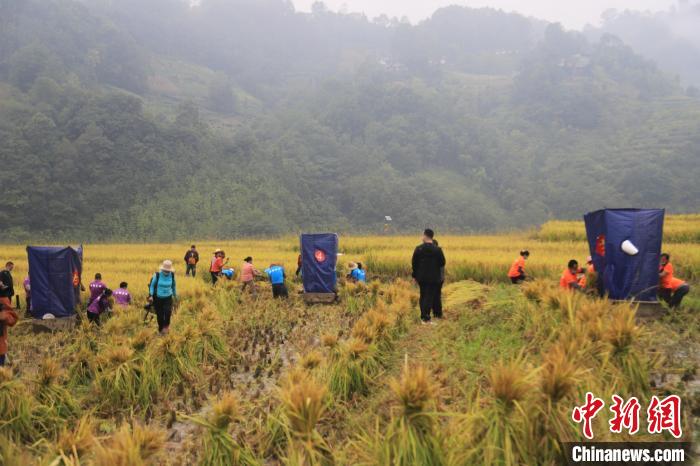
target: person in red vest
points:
(671, 289)
(570, 278)
(8, 318)
(217, 265)
(517, 270)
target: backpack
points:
(192, 260)
(155, 285)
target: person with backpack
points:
(161, 293)
(277, 276)
(99, 306)
(191, 260)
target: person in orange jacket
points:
(517, 270)
(590, 268)
(671, 289)
(8, 318)
(570, 279)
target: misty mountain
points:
(154, 119)
(670, 38)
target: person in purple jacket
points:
(122, 297)
(28, 292)
(97, 286)
(98, 306)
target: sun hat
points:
(352, 265)
(167, 266)
(217, 251)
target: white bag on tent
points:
(629, 248)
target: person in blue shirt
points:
(162, 292)
(357, 273)
(277, 276)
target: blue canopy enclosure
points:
(319, 254)
(625, 245)
(55, 275)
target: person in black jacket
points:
(428, 268)
(437, 302)
(191, 259)
(7, 287)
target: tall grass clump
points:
(622, 335)
(123, 382)
(16, 408)
(352, 372)
(304, 402)
(52, 393)
(219, 446)
(172, 361)
(209, 346)
(74, 444)
(498, 429)
(130, 446)
(11, 454)
(411, 436)
(559, 379)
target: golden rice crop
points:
(130, 446)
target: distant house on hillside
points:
(576, 62)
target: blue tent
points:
(626, 275)
(55, 275)
(319, 254)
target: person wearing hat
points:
(162, 292)
(517, 270)
(356, 273)
(217, 265)
(191, 260)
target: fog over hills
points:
(154, 119)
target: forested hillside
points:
(151, 119)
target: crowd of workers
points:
(670, 289)
(427, 264)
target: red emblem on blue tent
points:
(600, 245)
